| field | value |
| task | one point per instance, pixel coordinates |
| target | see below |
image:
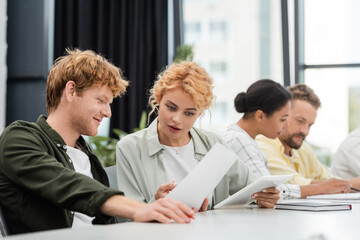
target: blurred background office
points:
(237, 41)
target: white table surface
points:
(252, 223)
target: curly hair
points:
(86, 69)
(304, 92)
(188, 76)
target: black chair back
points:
(3, 227)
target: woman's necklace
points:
(177, 149)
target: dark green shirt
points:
(39, 188)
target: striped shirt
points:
(248, 151)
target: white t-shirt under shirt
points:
(179, 162)
(82, 165)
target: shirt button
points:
(58, 145)
(64, 147)
(72, 212)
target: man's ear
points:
(259, 115)
(69, 90)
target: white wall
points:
(3, 69)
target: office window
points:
(332, 69)
(192, 32)
(332, 36)
(218, 70)
(218, 67)
(240, 43)
(333, 86)
(219, 113)
(218, 30)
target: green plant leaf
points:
(119, 133)
(184, 53)
(100, 138)
(143, 119)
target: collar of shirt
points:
(155, 146)
(58, 139)
(237, 128)
(51, 132)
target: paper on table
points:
(339, 196)
(243, 196)
(202, 180)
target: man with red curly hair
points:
(49, 176)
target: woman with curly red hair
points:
(151, 161)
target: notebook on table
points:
(313, 206)
(339, 196)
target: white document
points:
(202, 180)
(339, 196)
(243, 196)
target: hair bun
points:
(240, 103)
